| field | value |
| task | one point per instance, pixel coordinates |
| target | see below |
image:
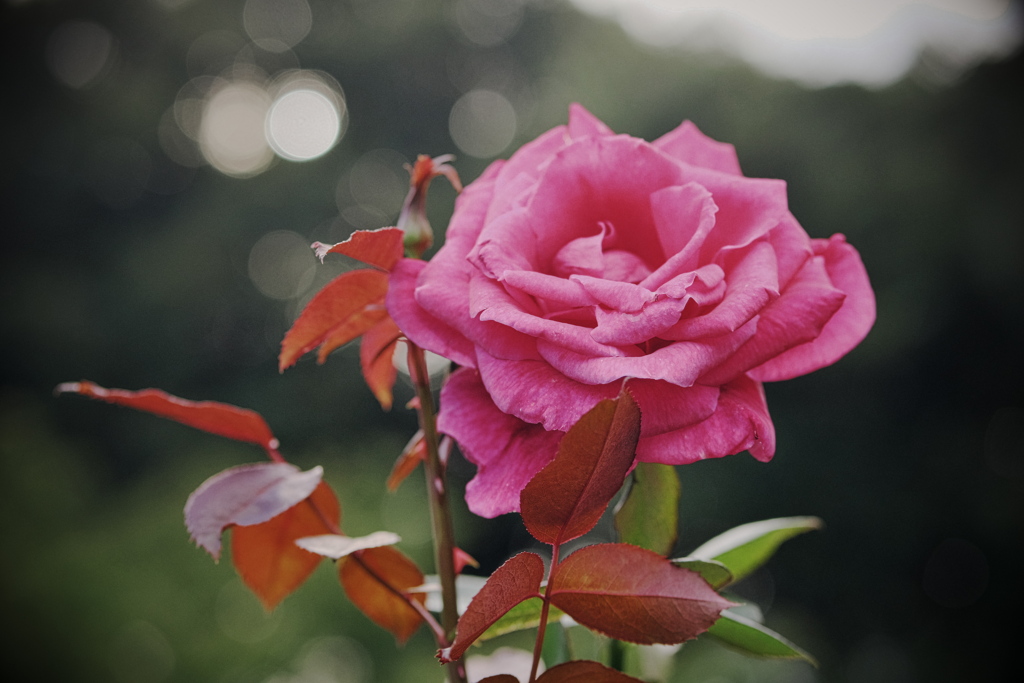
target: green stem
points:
(440, 510)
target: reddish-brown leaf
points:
(376, 353)
(567, 498)
(500, 678)
(265, 555)
(513, 582)
(216, 418)
(584, 671)
(412, 455)
(374, 580)
(380, 248)
(635, 595)
(243, 496)
(345, 308)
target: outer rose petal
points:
(844, 330)
(507, 451)
(688, 144)
(740, 423)
(423, 328)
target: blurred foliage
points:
(908, 448)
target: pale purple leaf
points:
(336, 546)
(244, 496)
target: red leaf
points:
(635, 595)
(500, 678)
(516, 580)
(245, 495)
(414, 453)
(371, 578)
(216, 418)
(265, 555)
(380, 248)
(567, 498)
(375, 356)
(345, 308)
(584, 671)
(361, 322)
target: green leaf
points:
(753, 638)
(555, 649)
(745, 548)
(521, 617)
(715, 573)
(649, 517)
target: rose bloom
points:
(590, 257)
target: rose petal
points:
(506, 243)
(622, 327)
(548, 289)
(747, 209)
(796, 317)
(680, 363)
(491, 302)
(507, 451)
(740, 422)
(683, 215)
(584, 124)
(689, 145)
(665, 407)
(595, 180)
(424, 329)
(751, 285)
(621, 296)
(583, 256)
(792, 248)
(844, 330)
(523, 168)
(524, 389)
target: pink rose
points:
(589, 257)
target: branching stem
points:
(440, 510)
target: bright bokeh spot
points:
(281, 265)
(231, 133)
(79, 52)
(303, 125)
(482, 123)
(277, 25)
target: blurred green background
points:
(128, 261)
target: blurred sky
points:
(824, 42)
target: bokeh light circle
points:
(78, 53)
(482, 123)
(231, 134)
(303, 125)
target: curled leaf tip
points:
(445, 655)
(67, 388)
(320, 249)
